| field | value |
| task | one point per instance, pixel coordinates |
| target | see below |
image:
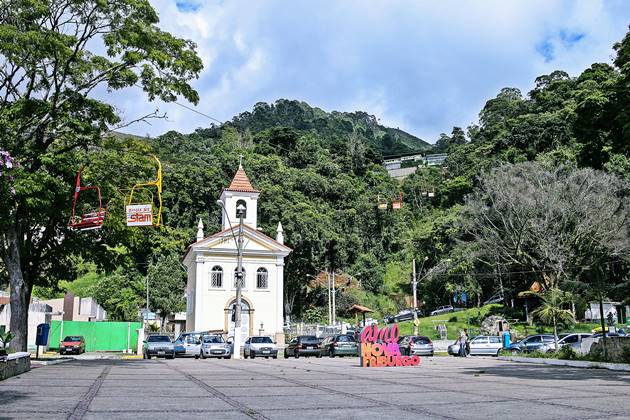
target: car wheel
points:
(252, 355)
(172, 356)
(245, 355)
(149, 356)
(286, 356)
(227, 357)
(332, 353)
(275, 356)
(297, 354)
(196, 356)
(266, 357)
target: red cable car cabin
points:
(92, 219)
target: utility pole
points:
(415, 298)
(329, 301)
(334, 306)
(240, 212)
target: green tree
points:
(121, 294)
(552, 309)
(49, 71)
(167, 283)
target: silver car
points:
(158, 346)
(488, 345)
(260, 346)
(214, 346)
(191, 342)
(571, 340)
(412, 345)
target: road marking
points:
(215, 392)
(83, 405)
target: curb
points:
(570, 363)
(48, 362)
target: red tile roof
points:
(241, 182)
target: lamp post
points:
(240, 213)
(415, 294)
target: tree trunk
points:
(555, 333)
(20, 291)
(601, 316)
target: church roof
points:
(241, 182)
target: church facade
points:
(211, 263)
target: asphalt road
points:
(440, 388)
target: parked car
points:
(480, 345)
(72, 344)
(415, 345)
(443, 310)
(214, 345)
(571, 340)
(158, 345)
(191, 342)
(403, 315)
(339, 345)
(531, 343)
(600, 335)
(303, 345)
(260, 346)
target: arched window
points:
(216, 277)
(261, 278)
(242, 280)
(240, 203)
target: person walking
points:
(463, 343)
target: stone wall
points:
(617, 348)
(15, 364)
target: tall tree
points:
(166, 280)
(53, 55)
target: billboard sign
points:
(140, 215)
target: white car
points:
(260, 346)
(443, 310)
(214, 346)
(572, 340)
(488, 345)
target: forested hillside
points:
(557, 156)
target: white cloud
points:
(422, 66)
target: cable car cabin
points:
(397, 204)
(144, 213)
(382, 203)
(91, 219)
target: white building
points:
(211, 264)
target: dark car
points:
(72, 344)
(415, 345)
(303, 345)
(531, 343)
(339, 345)
(404, 315)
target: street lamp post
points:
(240, 213)
(415, 294)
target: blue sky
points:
(423, 66)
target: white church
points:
(212, 262)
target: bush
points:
(453, 318)
(567, 353)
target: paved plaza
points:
(440, 388)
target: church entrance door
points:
(245, 309)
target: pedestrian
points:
(463, 342)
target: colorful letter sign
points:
(140, 215)
(379, 348)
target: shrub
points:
(567, 353)
(453, 318)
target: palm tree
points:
(551, 309)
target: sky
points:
(421, 66)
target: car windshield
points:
(309, 339)
(72, 338)
(213, 339)
(258, 340)
(420, 340)
(345, 338)
(159, 339)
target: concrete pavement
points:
(440, 388)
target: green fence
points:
(99, 336)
